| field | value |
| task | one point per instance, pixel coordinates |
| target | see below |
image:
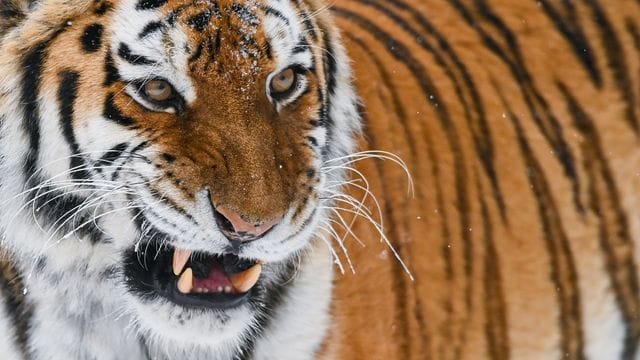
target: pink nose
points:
(233, 225)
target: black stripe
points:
(538, 107)
(616, 241)
(92, 38)
(399, 110)
(131, 154)
(616, 60)
(125, 53)
(245, 15)
(111, 112)
(67, 95)
(309, 26)
(32, 66)
(563, 269)
(103, 8)
(569, 26)
(112, 155)
(17, 306)
(496, 328)
(200, 21)
(54, 206)
(150, 28)
(276, 13)
(464, 86)
(301, 46)
(331, 66)
(398, 277)
(198, 53)
(403, 54)
(111, 72)
(150, 4)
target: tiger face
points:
(186, 139)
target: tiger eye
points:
(283, 81)
(158, 90)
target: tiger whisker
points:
(335, 235)
(334, 255)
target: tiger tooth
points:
(180, 258)
(185, 283)
(244, 281)
(227, 289)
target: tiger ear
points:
(12, 13)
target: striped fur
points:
(519, 123)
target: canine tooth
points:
(219, 289)
(227, 289)
(180, 258)
(245, 280)
(185, 283)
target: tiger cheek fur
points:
(123, 176)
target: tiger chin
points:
(163, 177)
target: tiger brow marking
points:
(615, 238)
(151, 28)
(150, 4)
(124, 52)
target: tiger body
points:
(518, 122)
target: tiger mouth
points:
(192, 279)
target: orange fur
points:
(536, 282)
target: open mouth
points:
(191, 279)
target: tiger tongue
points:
(217, 279)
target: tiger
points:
(308, 179)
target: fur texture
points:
(98, 180)
(519, 123)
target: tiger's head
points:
(187, 140)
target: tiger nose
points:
(235, 227)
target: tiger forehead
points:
(223, 36)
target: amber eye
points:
(158, 90)
(283, 81)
